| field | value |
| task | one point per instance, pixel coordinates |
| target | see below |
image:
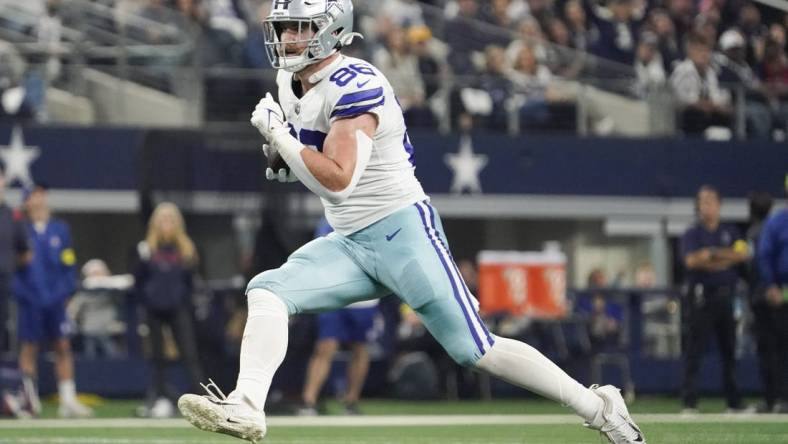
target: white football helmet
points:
(330, 20)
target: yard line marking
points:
(391, 421)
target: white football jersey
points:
(350, 87)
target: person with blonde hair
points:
(163, 284)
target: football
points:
(276, 163)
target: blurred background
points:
(563, 142)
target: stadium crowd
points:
(492, 63)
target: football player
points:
(340, 131)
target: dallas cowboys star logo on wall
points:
(17, 158)
(466, 166)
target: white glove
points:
(269, 118)
(282, 175)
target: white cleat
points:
(74, 409)
(214, 412)
(614, 422)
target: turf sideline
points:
(390, 420)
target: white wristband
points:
(290, 150)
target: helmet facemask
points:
(315, 47)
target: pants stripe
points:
(473, 306)
(457, 296)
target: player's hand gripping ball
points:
(277, 168)
(269, 119)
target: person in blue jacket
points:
(772, 259)
(42, 289)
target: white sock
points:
(522, 365)
(67, 391)
(263, 346)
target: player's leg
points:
(423, 273)
(329, 325)
(357, 370)
(318, 277)
(695, 334)
(56, 330)
(30, 333)
(360, 322)
(725, 329)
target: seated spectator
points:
(618, 24)
(227, 26)
(15, 101)
(497, 15)
(530, 33)
(563, 60)
(774, 71)
(496, 83)
(464, 38)
(402, 13)
(430, 54)
(401, 68)
(584, 34)
(649, 68)
(533, 81)
(661, 24)
(754, 32)
(696, 87)
(735, 73)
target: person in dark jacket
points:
(163, 284)
(14, 252)
(42, 289)
(711, 251)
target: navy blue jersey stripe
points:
(360, 96)
(356, 110)
(313, 138)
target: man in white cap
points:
(736, 74)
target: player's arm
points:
(332, 174)
(337, 165)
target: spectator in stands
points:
(735, 73)
(710, 251)
(402, 13)
(428, 52)
(227, 25)
(533, 82)
(617, 24)
(649, 68)
(660, 23)
(774, 71)
(682, 14)
(530, 33)
(703, 102)
(464, 38)
(563, 60)
(497, 15)
(15, 103)
(42, 289)
(754, 32)
(772, 260)
(14, 252)
(584, 34)
(163, 282)
(706, 27)
(495, 81)
(401, 66)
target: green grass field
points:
(385, 422)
